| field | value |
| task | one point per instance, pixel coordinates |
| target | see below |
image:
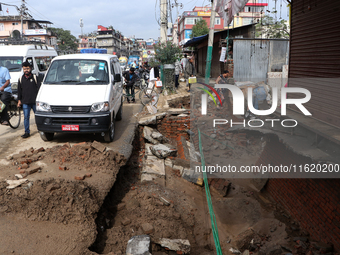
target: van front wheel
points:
(46, 136)
(109, 135)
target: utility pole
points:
(164, 20)
(210, 43)
(22, 11)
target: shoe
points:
(5, 123)
(26, 135)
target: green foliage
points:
(167, 53)
(66, 41)
(201, 28)
(268, 28)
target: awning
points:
(195, 40)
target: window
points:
(217, 21)
(247, 21)
(13, 64)
(43, 62)
(15, 23)
(191, 21)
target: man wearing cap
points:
(130, 79)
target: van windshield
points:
(78, 71)
(13, 64)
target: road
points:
(23, 236)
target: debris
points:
(32, 171)
(19, 176)
(121, 206)
(147, 228)
(24, 166)
(192, 176)
(98, 146)
(166, 202)
(181, 245)
(153, 165)
(52, 186)
(138, 245)
(80, 177)
(88, 175)
(163, 150)
(234, 251)
(15, 183)
(159, 137)
(126, 221)
(17, 156)
(148, 120)
(168, 162)
(147, 132)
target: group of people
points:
(28, 87)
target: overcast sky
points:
(131, 17)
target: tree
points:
(268, 28)
(201, 28)
(66, 41)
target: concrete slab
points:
(154, 165)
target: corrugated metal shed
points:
(315, 53)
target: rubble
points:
(138, 245)
(178, 245)
(98, 146)
(15, 183)
(148, 135)
(163, 151)
(147, 228)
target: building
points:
(109, 39)
(32, 30)
(87, 41)
(250, 14)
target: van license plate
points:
(70, 127)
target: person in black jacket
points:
(28, 87)
(130, 79)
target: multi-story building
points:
(109, 39)
(87, 41)
(32, 30)
(250, 14)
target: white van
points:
(12, 57)
(81, 93)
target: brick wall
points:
(173, 127)
(314, 203)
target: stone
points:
(323, 247)
(147, 132)
(34, 170)
(178, 245)
(138, 245)
(149, 120)
(98, 146)
(148, 151)
(147, 228)
(126, 221)
(24, 166)
(159, 137)
(17, 156)
(246, 252)
(15, 183)
(274, 250)
(153, 165)
(193, 176)
(10, 157)
(179, 168)
(52, 186)
(79, 177)
(164, 150)
(243, 240)
(88, 175)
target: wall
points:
(253, 59)
(314, 203)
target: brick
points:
(126, 221)
(147, 228)
(79, 177)
(24, 166)
(34, 170)
(98, 146)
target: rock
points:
(10, 157)
(159, 137)
(147, 228)
(178, 245)
(148, 152)
(98, 146)
(234, 251)
(3, 208)
(88, 175)
(17, 156)
(149, 120)
(132, 204)
(15, 183)
(153, 165)
(274, 250)
(34, 170)
(138, 245)
(179, 168)
(165, 201)
(24, 166)
(126, 221)
(176, 111)
(79, 177)
(163, 150)
(52, 186)
(246, 252)
(147, 132)
(193, 176)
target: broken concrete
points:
(193, 176)
(178, 245)
(151, 119)
(138, 245)
(154, 165)
(163, 150)
(147, 132)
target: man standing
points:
(5, 89)
(178, 70)
(130, 79)
(28, 87)
(184, 61)
(189, 71)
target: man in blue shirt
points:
(130, 79)
(5, 89)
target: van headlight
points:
(100, 107)
(43, 107)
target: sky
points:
(131, 17)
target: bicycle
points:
(146, 95)
(14, 112)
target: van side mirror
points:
(118, 78)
